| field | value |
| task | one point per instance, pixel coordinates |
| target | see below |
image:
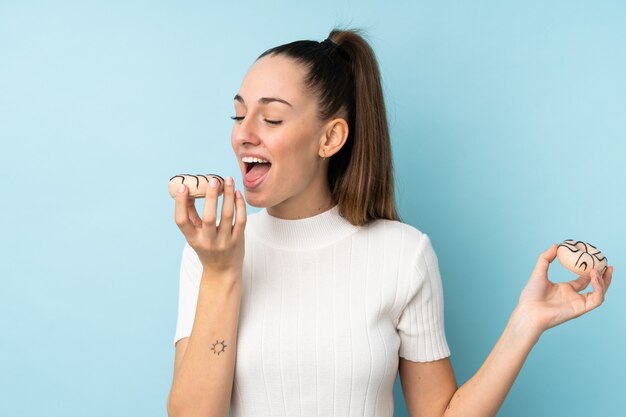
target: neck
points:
(315, 199)
(302, 208)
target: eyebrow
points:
(264, 100)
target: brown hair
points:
(343, 73)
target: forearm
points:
(203, 384)
(484, 393)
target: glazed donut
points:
(580, 257)
(197, 184)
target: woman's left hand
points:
(549, 304)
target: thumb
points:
(543, 263)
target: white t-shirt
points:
(327, 309)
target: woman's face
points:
(277, 121)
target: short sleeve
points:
(421, 324)
(188, 289)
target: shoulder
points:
(413, 246)
(403, 233)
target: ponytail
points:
(344, 74)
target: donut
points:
(197, 184)
(581, 257)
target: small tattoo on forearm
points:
(218, 347)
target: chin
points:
(255, 200)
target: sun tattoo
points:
(218, 347)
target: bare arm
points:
(205, 361)
(484, 393)
(430, 388)
(427, 386)
(542, 305)
(203, 376)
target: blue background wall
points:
(509, 133)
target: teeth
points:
(250, 159)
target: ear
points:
(335, 136)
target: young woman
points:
(311, 306)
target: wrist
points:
(524, 325)
(226, 279)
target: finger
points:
(228, 207)
(580, 283)
(595, 298)
(605, 280)
(241, 217)
(607, 277)
(209, 214)
(543, 263)
(596, 275)
(220, 186)
(181, 212)
(193, 214)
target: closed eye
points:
(272, 122)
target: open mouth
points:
(250, 166)
(255, 172)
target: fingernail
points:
(229, 181)
(181, 188)
(213, 182)
(238, 194)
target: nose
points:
(245, 132)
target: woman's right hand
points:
(219, 247)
